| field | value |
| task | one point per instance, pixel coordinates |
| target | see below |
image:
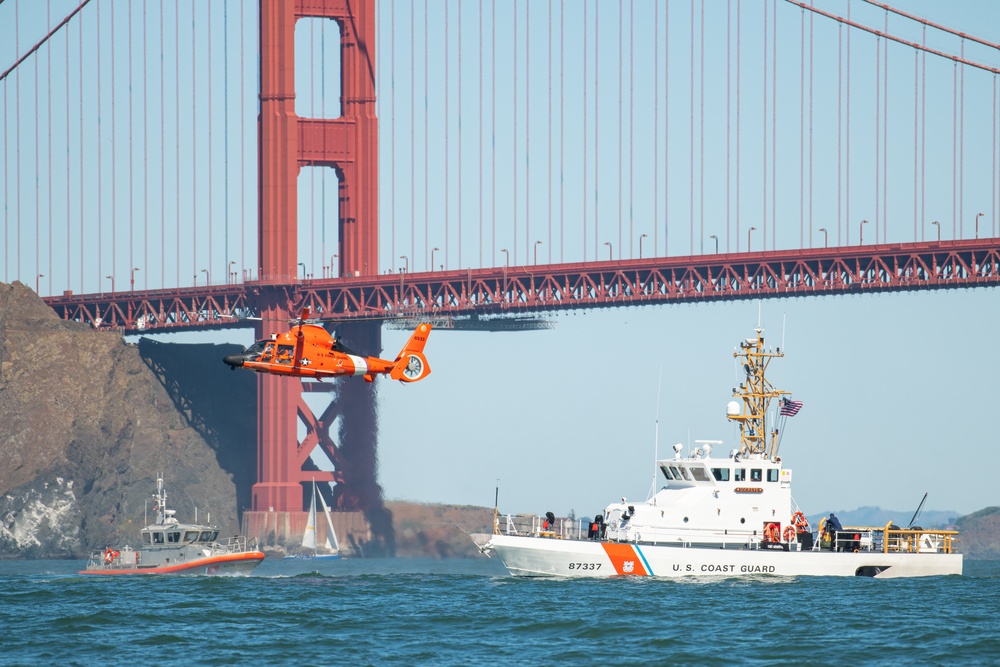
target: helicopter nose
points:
(234, 361)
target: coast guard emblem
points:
(628, 566)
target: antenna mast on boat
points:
(756, 393)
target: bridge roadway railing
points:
(518, 290)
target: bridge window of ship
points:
(700, 474)
(145, 538)
(720, 474)
(666, 472)
(772, 474)
(174, 537)
(755, 475)
(157, 538)
(677, 473)
(208, 536)
(191, 536)
(687, 475)
(740, 475)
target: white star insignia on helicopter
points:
(305, 362)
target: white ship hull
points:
(539, 556)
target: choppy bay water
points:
(470, 612)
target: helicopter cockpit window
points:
(256, 349)
(285, 354)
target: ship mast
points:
(757, 394)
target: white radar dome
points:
(732, 408)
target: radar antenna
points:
(756, 393)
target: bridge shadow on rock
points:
(220, 405)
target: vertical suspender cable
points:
(482, 213)
(656, 128)
(392, 140)
(763, 172)
(954, 152)
(413, 145)
(177, 136)
(82, 188)
(812, 77)
(548, 241)
(427, 148)
(48, 182)
(923, 134)
(514, 119)
(878, 136)
(225, 141)
(100, 166)
(994, 200)
(243, 180)
(701, 130)
(17, 126)
(211, 166)
(597, 124)
(631, 123)
(447, 133)
(562, 125)
(131, 190)
(194, 150)
(774, 123)
(620, 170)
(847, 140)
(493, 130)
(802, 128)
(114, 152)
(583, 189)
(527, 128)
(916, 144)
(312, 114)
(840, 128)
(729, 115)
(459, 38)
(145, 151)
(38, 185)
(885, 135)
(666, 129)
(68, 217)
(739, 61)
(691, 133)
(961, 146)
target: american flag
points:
(790, 408)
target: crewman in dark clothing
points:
(834, 528)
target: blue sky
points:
(895, 386)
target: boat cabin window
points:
(145, 538)
(755, 475)
(687, 475)
(174, 537)
(772, 475)
(720, 474)
(677, 473)
(191, 536)
(740, 475)
(157, 538)
(700, 474)
(208, 536)
(666, 472)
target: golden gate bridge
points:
(175, 165)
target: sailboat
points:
(309, 549)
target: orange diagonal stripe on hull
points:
(624, 558)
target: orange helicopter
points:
(308, 350)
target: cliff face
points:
(85, 426)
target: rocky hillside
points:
(85, 426)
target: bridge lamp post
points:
(208, 277)
(938, 225)
(232, 271)
(752, 229)
(433, 250)
(406, 267)
(537, 243)
(132, 279)
(826, 237)
(302, 264)
(506, 256)
(40, 275)
(611, 251)
(713, 236)
(641, 237)
(978, 215)
(861, 232)
(112, 279)
(333, 263)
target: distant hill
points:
(876, 516)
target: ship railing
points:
(530, 524)
(891, 539)
(686, 537)
(234, 545)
